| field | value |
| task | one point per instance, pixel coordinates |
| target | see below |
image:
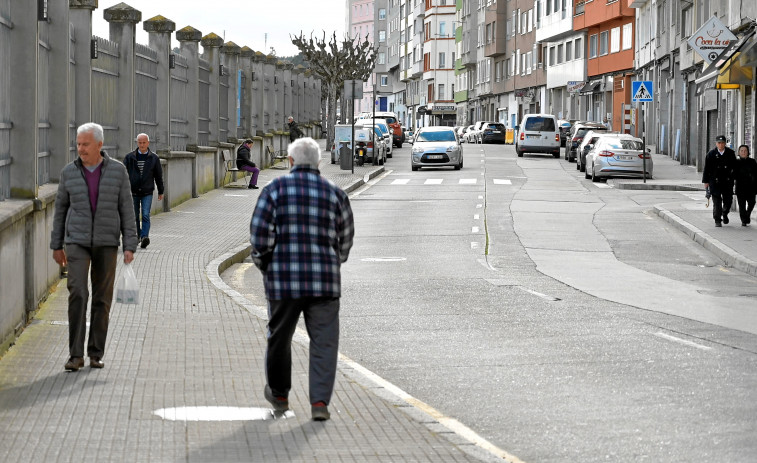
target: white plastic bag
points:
(127, 291)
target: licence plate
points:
(496, 131)
(533, 136)
(435, 156)
(625, 158)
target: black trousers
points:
(746, 206)
(322, 323)
(722, 199)
(102, 261)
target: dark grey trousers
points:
(102, 261)
(322, 323)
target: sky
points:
(244, 22)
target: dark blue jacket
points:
(144, 184)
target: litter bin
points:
(345, 155)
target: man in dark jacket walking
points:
(718, 176)
(301, 232)
(144, 173)
(93, 212)
(294, 130)
(244, 162)
(745, 175)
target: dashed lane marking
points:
(433, 181)
(682, 341)
(502, 181)
(401, 181)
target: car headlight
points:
(417, 150)
(451, 148)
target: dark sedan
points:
(493, 132)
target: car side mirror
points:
(588, 147)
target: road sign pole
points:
(643, 143)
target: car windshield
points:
(582, 131)
(625, 144)
(442, 135)
(540, 124)
(495, 126)
(390, 120)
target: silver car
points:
(436, 147)
(618, 156)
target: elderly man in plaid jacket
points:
(301, 232)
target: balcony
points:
(468, 59)
(417, 69)
(495, 48)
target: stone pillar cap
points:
(211, 40)
(82, 4)
(159, 24)
(188, 34)
(122, 13)
(271, 59)
(247, 52)
(230, 48)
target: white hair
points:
(143, 135)
(305, 152)
(95, 129)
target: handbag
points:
(127, 291)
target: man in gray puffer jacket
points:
(93, 211)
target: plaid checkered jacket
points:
(301, 232)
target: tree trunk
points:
(331, 115)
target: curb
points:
(725, 253)
(655, 186)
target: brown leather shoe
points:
(95, 362)
(74, 363)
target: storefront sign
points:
(442, 108)
(711, 39)
(574, 86)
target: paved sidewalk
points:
(190, 344)
(734, 244)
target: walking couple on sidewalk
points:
(722, 170)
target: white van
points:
(538, 133)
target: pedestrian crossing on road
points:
(440, 181)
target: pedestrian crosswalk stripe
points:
(433, 181)
(468, 181)
(502, 181)
(400, 181)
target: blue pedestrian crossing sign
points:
(641, 90)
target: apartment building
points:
(695, 100)
(361, 23)
(564, 58)
(439, 54)
(609, 27)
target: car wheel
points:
(586, 173)
(399, 146)
(556, 155)
(520, 153)
(594, 177)
(583, 167)
(457, 166)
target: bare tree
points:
(333, 65)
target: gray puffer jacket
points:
(73, 222)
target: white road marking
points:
(480, 196)
(433, 181)
(383, 259)
(401, 181)
(474, 245)
(476, 216)
(474, 230)
(468, 181)
(479, 206)
(238, 196)
(602, 185)
(536, 293)
(682, 341)
(502, 181)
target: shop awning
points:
(733, 68)
(590, 87)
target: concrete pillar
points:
(308, 97)
(279, 116)
(257, 107)
(24, 139)
(230, 52)
(288, 88)
(245, 65)
(58, 83)
(159, 30)
(299, 111)
(269, 95)
(80, 16)
(189, 38)
(123, 21)
(210, 53)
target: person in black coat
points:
(718, 176)
(144, 173)
(294, 130)
(245, 163)
(745, 175)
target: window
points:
(552, 61)
(382, 36)
(381, 58)
(615, 40)
(384, 81)
(568, 51)
(628, 35)
(560, 53)
(440, 91)
(529, 61)
(382, 13)
(579, 48)
(549, 7)
(530, 20)
(442, 29)
(593, 46)
(604, 39)
(442, 61)
(686, 23)
(489, 33)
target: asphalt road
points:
(559, 319)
